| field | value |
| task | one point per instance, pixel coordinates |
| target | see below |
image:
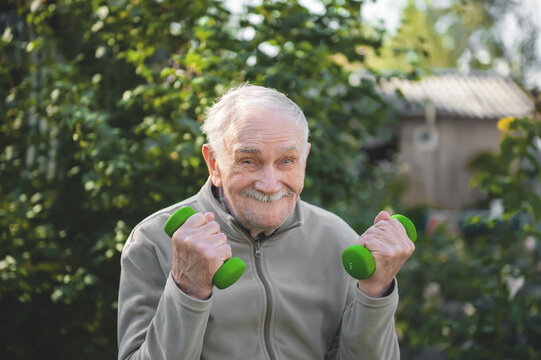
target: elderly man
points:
(294, 301)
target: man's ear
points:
(212, 165)
(307, 152)
(308, 147)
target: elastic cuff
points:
(192, 303)
(377, 302)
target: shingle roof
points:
(475, 95)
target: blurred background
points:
(425, 107)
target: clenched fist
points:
(199, 249)
(390, 246)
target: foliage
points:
(417, 44)
(103, 103)
(478, 295)
(473, 34)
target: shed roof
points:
(480, 95)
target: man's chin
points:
(261, 224)
(265, 216)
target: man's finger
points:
(383, 215)
(199, 219)
(210, 216)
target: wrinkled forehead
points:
(265, 126)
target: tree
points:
(417, 44)
(464, 34)
(103, 104)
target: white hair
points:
(220, 118)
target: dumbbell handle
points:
(359, 262)
(230, 271)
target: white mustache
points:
(261, 196)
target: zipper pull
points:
(257, 248)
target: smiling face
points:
(262, 169)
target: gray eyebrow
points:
(249, 150)
(257, 151)
(289, 148)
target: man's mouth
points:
(263, 197)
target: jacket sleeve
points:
(156, 320)
(368, 328)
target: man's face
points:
(262, 169)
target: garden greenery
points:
(102, 103)
(101, 109)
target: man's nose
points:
(269, 180)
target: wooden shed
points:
(447, 120)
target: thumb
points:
(383, 215)
(209, 216)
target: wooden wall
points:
(439, 176)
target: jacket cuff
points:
(372, 302)
(173, 291)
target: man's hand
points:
(390, 246)
(199, 249)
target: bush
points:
(103, 103)
(478, 295)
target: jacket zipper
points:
(266, 325)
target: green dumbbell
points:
(359, 262)
(229, 272)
